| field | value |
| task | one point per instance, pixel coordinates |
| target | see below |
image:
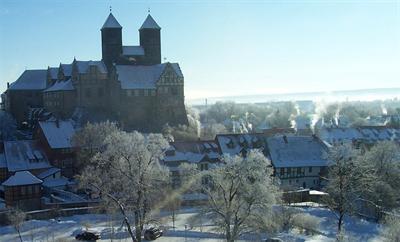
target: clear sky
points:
(224, 47)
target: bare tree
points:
(391, 231)
(126, 172)
(17, 217)
(241, 194)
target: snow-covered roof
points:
(3, 162)
(150, 23)
(192, 152)
(83, 66)
(30, 80)
(296, 151)
(111, 22)
(143, 77)
(59, 182)
(369, 134)
(61, 86)
(22, 178)
(132, 50)
(234, 144)
(24, 155)
(48, 172)
(58, 133)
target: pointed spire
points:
(111, 22)
(149, 23)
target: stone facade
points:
(129, 83)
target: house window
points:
(289, 171)
(203, 166)
(298, 171)
(282, 171)
(310, 169)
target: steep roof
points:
(67, 69)
(111, 23)
(61, 86)
(24, 155)
(58, 135)
(143, 77)
(132, 50)
(296, 151)
(150, 23)
(53, 72)
(22, 178)
(83, 66)
(30, 80)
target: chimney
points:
(8, 85)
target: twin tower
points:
(147, 53)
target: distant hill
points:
(351, 95)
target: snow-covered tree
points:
(8, 126)
(348, 181)
(391, 230)
(17, 217)
(384, 159)
(241, 194)
(89, 140)
(127, 174)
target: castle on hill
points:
(129, 84)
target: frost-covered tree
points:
(348, 181)
(391, 230)
(127, 174)
(89, 140)
(8, 126)
(16, 218)
(384, 160)
(241, 193)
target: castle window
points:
(153, 93)
(87, 92)
(174, 91)
(100, 92)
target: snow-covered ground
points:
(65, 229)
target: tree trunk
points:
(340, 223)
(19, 234)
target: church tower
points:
(111, 40)
(150, 40)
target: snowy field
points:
(65, 229)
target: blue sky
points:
(224, 47)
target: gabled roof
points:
(143, 77)
(22, 178)
(30, 80)
(111, 23)
(149, 23)
(53, 72)
(132, 50)
(61, 86)
(58, 133)
(67, 69)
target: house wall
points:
(20, 101)
(24, 197)
(306, 178)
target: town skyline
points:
(337, 45)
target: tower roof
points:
(149, 23)
(111, 23)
